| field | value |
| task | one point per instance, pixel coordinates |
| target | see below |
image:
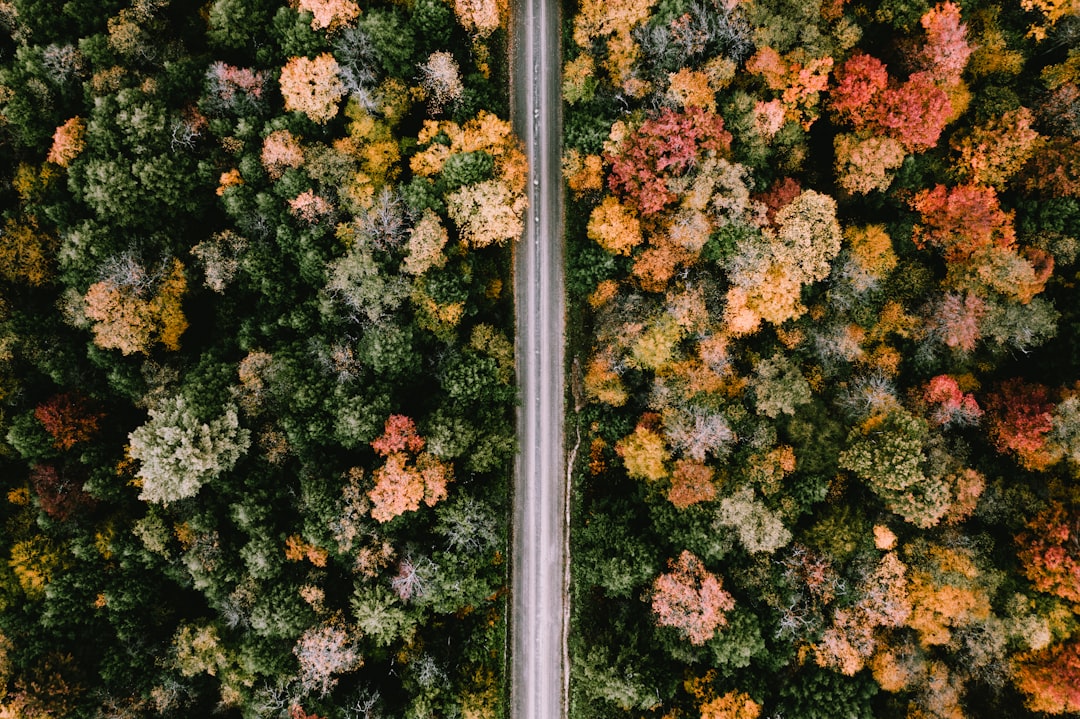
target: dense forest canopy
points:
(256, 387)
(823, 265)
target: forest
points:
(822, 264)
(256, 358)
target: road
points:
(538, 577)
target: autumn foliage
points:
(409, 475)
(1049, 550)
(312, 86)
(690, 599)
(128, 318)
(663, 147)
(69, 419)
(1020, 419)
(1051, 678)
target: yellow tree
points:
(614, 226)
(126, 317)
(25, 252)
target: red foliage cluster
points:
(399, 434)
(1050, 552)
(858, 82)
(68, 419)
(229, 81)
(779, 195)
(297, 712)
(949, 404)
(665, 146)
(1051, 678)
(1020, 419)
(60, 495)
(962, 220)
(913, 112)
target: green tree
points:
(178, 453)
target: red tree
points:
(60, 495)
(398, 434)
(691, 599)
(68, 419)
(1020, 418)
(948, 404)
(1050, 552)
(1051, 678)
(665, 146)
(914, 112)
(859, 82)
(962, 220)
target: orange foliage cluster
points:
(330, 15)
(296, 550)
(68, 142)
(409, 475)
(126, 320)
(1050, 552)
(312, 86)
(68, 419)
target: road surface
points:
(538, 591)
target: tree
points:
(1050, 552)
(961, 220)
(1051, 678)
(324, 651)
(859, 81)
(759, 528)
(950, 406)
(946, 50)
(441, 79)
(732, 705)
(234, 89)
(312, 86)
(614, 226)
(69, 419)
(280, 151)
(914, 112)
(134, 308)
(330, 15)
(887, 451)
(69, 141)
(424, 248)
(61, 495)
(865, 166)
(481, 17)
(779, 387)
(690, 599)
(991, 154)
(487, 213)
(26, 252)
(178, 453)
(663, 147)
(691, 482)
(1020, 420)
(644, 454)
(409, 475)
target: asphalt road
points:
(538, 581)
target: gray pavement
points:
(538, 581)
